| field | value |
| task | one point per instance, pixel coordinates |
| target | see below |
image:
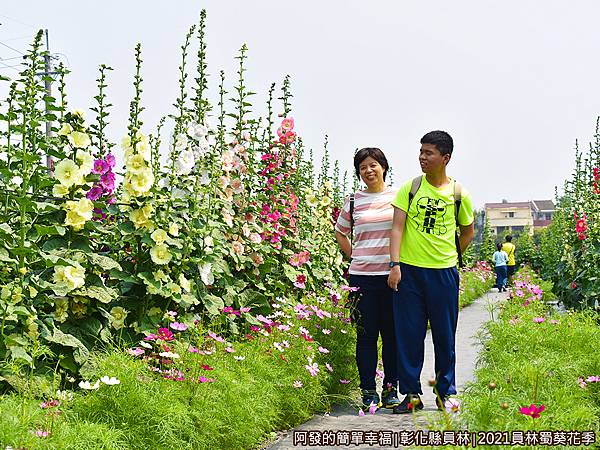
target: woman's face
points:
(371, 172)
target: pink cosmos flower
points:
(136, 351)
(203, 379)
(229, 349)
(216, 337)
(178, 326)
(581, 382)
(323, 350)
(165, 334)
(593, 379)
(49, 404)
(192, 349)
(313, 369)
(554, 322)
(373, 408)
(329, 367)
(539, 319)
(532, 411)
(344, 381)
(326, 331)
(361, 413)
(379, 374)
(245, 309)
(207, 367)
(42, 433)
(100, 167)
(297, 384)
(452, 405)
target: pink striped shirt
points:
(373, 215)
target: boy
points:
(424, 255)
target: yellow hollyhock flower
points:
(68, 173)
(159, 236)
(85, 161)
(79, 112)
(79, 139)
(325, 201)
(78, 213)
(117, 317)
(185, 283)
(60, 190)
(136, 163)
(65, 130)
(160, 254)
(75, 220)
(174, 229)
(140, 219)
(71, 276)
(311, 200)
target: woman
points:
(500, 259)
(371, 223)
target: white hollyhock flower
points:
(204, 178)
(197, 130)
(206, 274)
(185, 162)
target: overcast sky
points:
(514, 82)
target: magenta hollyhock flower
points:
(164, 334)
(532, 411)
(178, 326)
(95, 192)
(100, 167)
(539, 319)
(110, 160)
(108, 181)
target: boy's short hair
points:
(499, 246)
(508, 238)
(374, 153)
(442, 141)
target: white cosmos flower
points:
(185, 162)
(110, 381)
(88, 386)
(206, 274)
(145, 344)
(169, 355)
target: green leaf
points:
(213, 304)
(51, 230)
(104, 262)
(19, 353)
(5, 257)
(100, 293)
(80, 352)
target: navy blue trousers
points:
(374, 317)
(501, 276)
(426, 295)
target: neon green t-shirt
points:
(428, 239)
(509, 248)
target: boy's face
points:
(431, 159)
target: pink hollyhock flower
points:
(94, 193)
(178, 326)
(539, 319)
(110, 160)
(215, 337)
(344, 381)
(581, 226)
(532, 411)
(108, 181)
(294, 260)
(287, 124)
(165, 334)
(100, 167)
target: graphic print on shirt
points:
(430, 216)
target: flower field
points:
(179, 289)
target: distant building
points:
(513, 217)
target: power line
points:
(12, 48)
(18, 21)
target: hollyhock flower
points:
(108, 181)
(110, 160)
(100, 167)
(532, 411)
(95, 192)
(287, 124)
(110, 381)
(300, 281)
(538, 319)
(136, 351)
(297, 384)
(178, 326)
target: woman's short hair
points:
(499, 246)
(374, 153)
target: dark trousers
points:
(374, 316)
(426, 295)
(501, 276)
(511, 272)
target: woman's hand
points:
(394, 278)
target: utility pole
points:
(48, 84)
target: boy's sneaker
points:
(411, 403)
(389, 398)
(440, 403)
(369, 397)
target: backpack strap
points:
(457, 202)
(416, 184)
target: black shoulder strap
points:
(351, 216)
(457, 202)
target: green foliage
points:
(488, 243)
